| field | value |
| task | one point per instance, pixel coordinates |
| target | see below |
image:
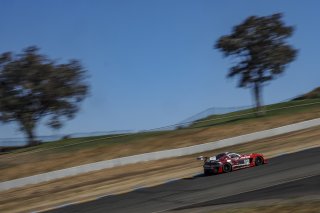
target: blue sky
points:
(152, 63)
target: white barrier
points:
(156, 155)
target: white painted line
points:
(104, 196)
(138, 187)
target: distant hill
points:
(310, 95)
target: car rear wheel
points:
(258, 161)
(227, 167)
(206, 173)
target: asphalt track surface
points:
(289, 174)
(306, 188)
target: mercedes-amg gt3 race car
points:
(230, 161)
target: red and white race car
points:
(229, 161)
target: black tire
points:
(227, 168)
(258, 161)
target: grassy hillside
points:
(314, 94)
(284, 108)
(274, 110)
(77, 151)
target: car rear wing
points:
(202, 158)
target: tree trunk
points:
(31, 139)
(27, 125)
(257, 98)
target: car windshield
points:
(218, 156)
(234, 155)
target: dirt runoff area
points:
(126, 178)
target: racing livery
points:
(230, 161)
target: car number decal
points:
(246, 161)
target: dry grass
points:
(16, 165)
(125, 178)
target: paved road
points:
(306, 188)
(188, 193)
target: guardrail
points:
(156, 155)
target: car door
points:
(243, 161)
(234, 159)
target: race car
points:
(230, 161)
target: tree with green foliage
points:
(34, 87)
(261, 52)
